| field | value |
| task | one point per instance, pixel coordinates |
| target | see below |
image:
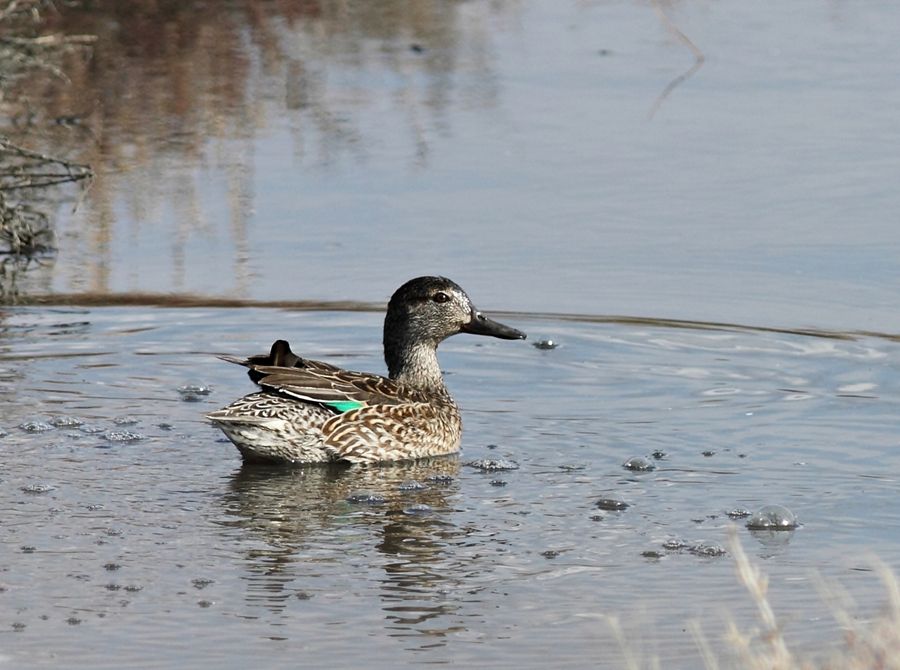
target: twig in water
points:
(23, 168)
(699, 58)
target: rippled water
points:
(329, 151)
(115, 548)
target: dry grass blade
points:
(868, 643)
(758, 585)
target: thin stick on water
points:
(24, 168)
(699, 58)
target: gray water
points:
(164, 549)
(323, 155)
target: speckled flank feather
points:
(267, 427)
(309, 411)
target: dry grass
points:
(25, 175)
(871, 643)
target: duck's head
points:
(431, 309)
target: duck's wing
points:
(284, 372)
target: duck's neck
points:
(414, 365)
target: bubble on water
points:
(639, 464)
(122, 436)
(411, 485)
(550, 554)
(772, 517)
(73, 620)
(37, 489)
(28, 549)
(545, 345)
(205, 603)
(35, 426)
(365, 498)
(66, 421)
(112, 587)
(498, 482)
(674, 545)
(193, 392)
(612, 504)
(91, 429)
(707, 550)
(418, 510)
(708, 453)
(133, 588)
(202, 582)
(18, 626)
(440, 479)
(126, 420)
(493, 464)
(739, 513)
(111, 567)
(658, 454)
(652, 553)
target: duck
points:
(309, 411)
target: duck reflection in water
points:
(311, 526)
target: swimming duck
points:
(313, 412)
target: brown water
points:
(324, 152)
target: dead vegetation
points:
(26, 231)
(869, 642)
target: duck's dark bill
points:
(481, 325)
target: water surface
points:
(324, 153)
(114, 548)
(332, 151)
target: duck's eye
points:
(440, 296)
